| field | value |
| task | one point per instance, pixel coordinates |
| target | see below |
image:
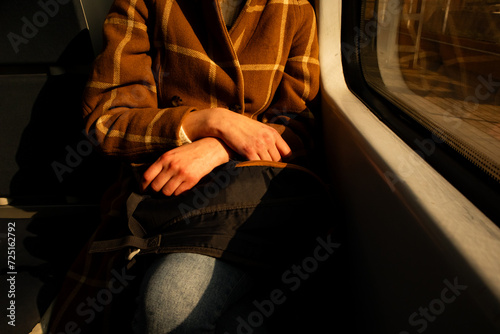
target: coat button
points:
(176, 101)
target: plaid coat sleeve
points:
(120, 101)
(299, 85)
(266, 68)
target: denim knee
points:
(187, 293)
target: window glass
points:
(439, 61)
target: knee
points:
(168, 313)
(171, 297)
(186, 293)
(164, 309)
(153, 318)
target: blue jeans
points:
(192, 293)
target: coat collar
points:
(234, 40)
(244, 26)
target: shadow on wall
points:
(56, 162)
(49, 170)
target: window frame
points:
(404, 232)
(482, 190)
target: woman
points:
(184, 86)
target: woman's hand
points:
(180, 169)
(247, 137)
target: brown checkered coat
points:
(166, 58)
(161, 52)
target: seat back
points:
(50, 175)
(44, 65)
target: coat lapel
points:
(223, 41)
(246, 23)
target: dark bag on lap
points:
(250, 213)
(255, 212)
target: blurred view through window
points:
(439, 61)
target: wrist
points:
(217, 149)
(203, 123)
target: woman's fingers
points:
(249, 138)
(264, 155)
(283, 148)
(150, 175)
(274, 149)
(170, 187)
(181, 168)
(274, 154)
(170, 183)
(183, 187)
(264, 144)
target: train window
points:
(438, 61)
